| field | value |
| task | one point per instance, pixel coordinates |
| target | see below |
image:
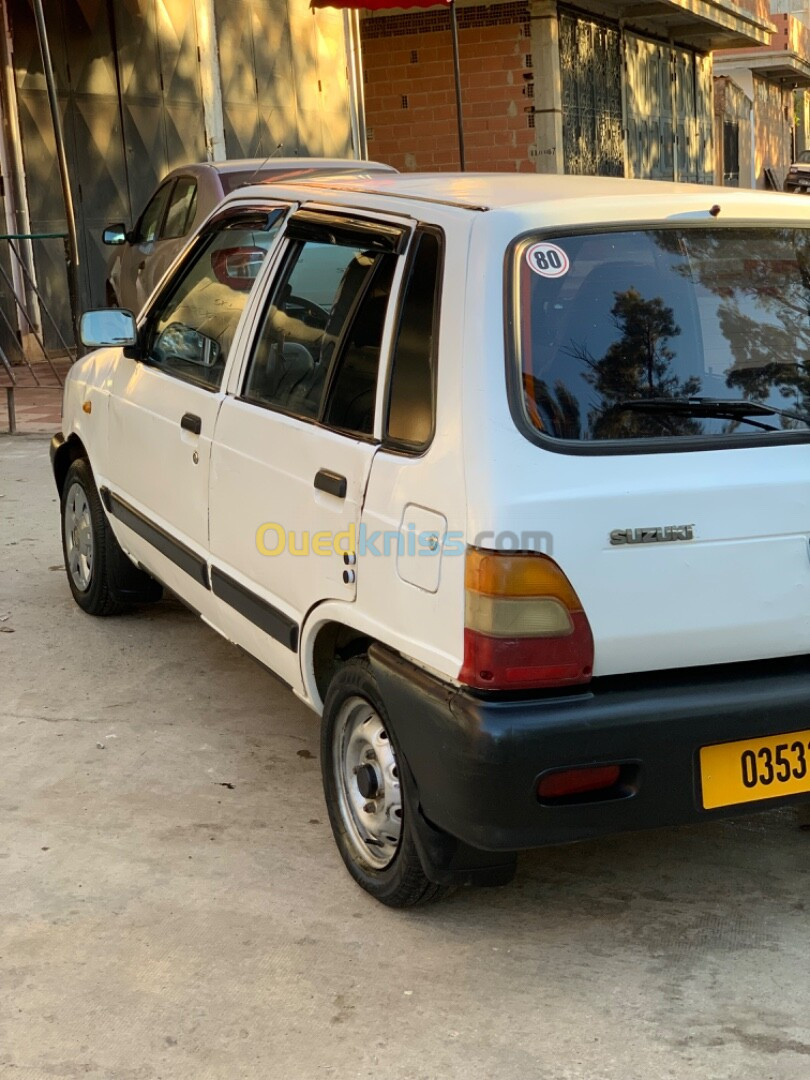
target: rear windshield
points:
(663, 333)
(232, 180)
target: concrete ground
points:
(172, 904)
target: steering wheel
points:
(298, 307)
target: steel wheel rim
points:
(368, 785)
(78, 526)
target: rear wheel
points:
(364, 794)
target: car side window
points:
(151, 219)
(328, 305)
(182, 206)
(190, 328)
(411, 390)
(353, 386)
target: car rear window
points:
(232, 180)
(619, 332)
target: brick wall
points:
(410, 96)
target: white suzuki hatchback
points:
(506, 476)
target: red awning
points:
(379, 5)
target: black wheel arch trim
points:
(58, 443)
(64, 451)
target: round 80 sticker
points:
(548, 260)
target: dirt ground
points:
(172, 904)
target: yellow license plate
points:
(755, 769)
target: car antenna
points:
(259, 168)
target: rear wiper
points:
(721, 408)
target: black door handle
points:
(191, 423)
(331, 482)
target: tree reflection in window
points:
(761, 280)
(667, 313)
(638, 364)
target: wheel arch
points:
(72, 449)
(327, 645)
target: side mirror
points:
(111, 326)
(115, 234)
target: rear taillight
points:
(524, 624)
(238, 267)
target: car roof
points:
(599, 198)
(289, 165)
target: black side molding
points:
(268, 618)
(331, 482)
(180, 555)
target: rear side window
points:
(327, 310)
(353, 389)
(664, 333)
(182, 207)
(411, 406)
(152, 218)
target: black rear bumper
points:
(476, 761)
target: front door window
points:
(191, 327)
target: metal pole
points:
(457, 76)
(12, 415)
(357, 105)
(17, 217)
(72, 245)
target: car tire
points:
(363, 789)
(102, 579)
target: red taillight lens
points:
(238, 267)
(524, 625)
(557, 785)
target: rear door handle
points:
(191, 423)
(331, 482)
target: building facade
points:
(606, 88)
(772, 80)
(146, 85)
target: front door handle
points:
(191, 423)
(331, 482)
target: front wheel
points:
(364, 794)
(101, 577)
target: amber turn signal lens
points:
(524, 574)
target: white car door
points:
(163, 404)
(293, 447)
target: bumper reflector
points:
(566, 782)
